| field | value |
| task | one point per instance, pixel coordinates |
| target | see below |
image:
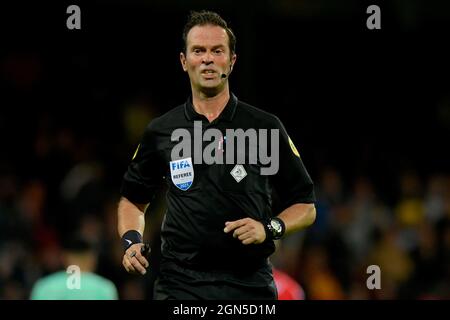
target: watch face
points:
(276, 225)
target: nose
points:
(207, 58)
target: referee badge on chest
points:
(238, 173)
(182, 173)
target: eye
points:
(218, 51)
(197, 51)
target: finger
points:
(137, 266)
(142, 260)
(128, 266)
(234, 224)
(135, 251)
(240, 231)
(249, 240)
(245, 236)
(125, 266)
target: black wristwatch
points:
(275, 228)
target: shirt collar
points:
(227, 113)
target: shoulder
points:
(167, 119)
(52, 278)
(260, 116)
(99, 279)
(101, 284)
(46, 285)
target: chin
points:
(211, 89)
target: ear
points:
(233, 60)
(183, 61)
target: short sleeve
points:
(292, 181)
(145, 171)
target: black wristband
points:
(131, 237)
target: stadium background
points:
(369, 111)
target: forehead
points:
(207, 35)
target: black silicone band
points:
(131, 237)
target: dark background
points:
(370, 105)
(343, 91)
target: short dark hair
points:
(201, 18)
(76, 244)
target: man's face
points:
(207, 57)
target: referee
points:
(219, 228)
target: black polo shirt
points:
(192, 231)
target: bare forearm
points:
(130, 216)
(298, 216)
(250, 231)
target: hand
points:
(247, 230)
(133, 261)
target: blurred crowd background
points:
(369, 111)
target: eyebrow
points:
(212, 48)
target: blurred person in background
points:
(321, 283)
(80, 254)
(288, 288)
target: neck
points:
(210, 106)
(86, 262)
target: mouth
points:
(209, 73)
